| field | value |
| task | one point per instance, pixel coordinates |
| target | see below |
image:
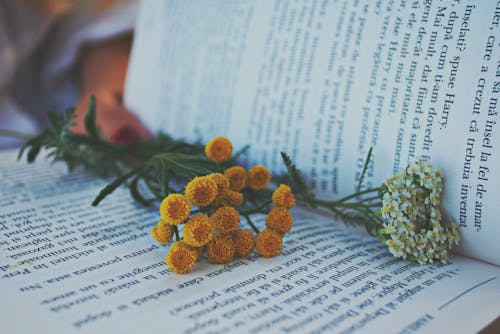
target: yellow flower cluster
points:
(278, 222)
(214, 227)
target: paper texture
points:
(67, 267)
(326, 80)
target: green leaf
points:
(38, 140)
(136, 194)
(114, 185)
(90, 125)
(34, 150)
(365, 167)
(297, 182)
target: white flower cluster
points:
(413, 226)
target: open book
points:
(323, 81)
(326, 80)
(67, 267)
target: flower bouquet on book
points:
(203, 193)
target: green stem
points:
(358, 193)
(15, 134)
(367, 199)
(365, 167)
(256, 230)
(357, 205)
(151, 188)
(177, 236)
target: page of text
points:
(326, 80)
(67, 267)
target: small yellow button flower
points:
(162, 232)
(219, 149)
(237, 177)
(181, 258)
(233, 198)
(200, 251)
(280, 220)
(226, 220)
(221, 181)
(244, 242)
(222, 188)
(175, 209)
(259, 177)
(198, 231)
(221, 249)
(268, 243)
(283, 197)
(201, 191)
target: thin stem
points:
(151, 188)
(256, 230)
(360, 184)
(366, 199)
(177, 236)
(15, 134)
(358, 193)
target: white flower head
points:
(413, 224)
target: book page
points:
(67, 267)
(326, 80)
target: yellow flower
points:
(233, 198)
(259, 177)
(181, 258)
(219, 149)
(222, 188)
(237, 177)
(244, 242)
(221, 181)
(283, 197)
(268, 243)
(221, 249)
(201, 191)
(226, 219)
(175, 209)
(162, 232)
(200, 251)
(198, 231)
(280, 220)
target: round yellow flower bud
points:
(180, 258)
(175, 209)
(259, 177)
(201, 191)
(283, 197)
(280, 220)
(221, 249)
(200, 251)
(221, 181)
(198, 231)
(226, 219)
(268, 243)
(162, 232)
(233, 198)
(237, 177)
(244, 242)
(219, 149)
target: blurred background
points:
(55, 53)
